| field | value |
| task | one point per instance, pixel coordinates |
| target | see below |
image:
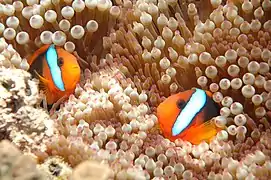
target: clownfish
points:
(188, 116)
(57, 70)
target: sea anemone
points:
(133, 55)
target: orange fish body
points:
(57, 70)
(187, 115)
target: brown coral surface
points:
(133, 55)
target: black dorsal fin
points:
(37, 66)
(211, 109)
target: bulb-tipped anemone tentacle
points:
(133, 55)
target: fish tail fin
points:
(203, 132)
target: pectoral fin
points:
(203, 132)
(44, 84)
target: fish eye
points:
(60, 61)
(181, 104)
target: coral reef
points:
(15, 165)
(21, 119)
(91, 170)
(133, 55)
(55, 168)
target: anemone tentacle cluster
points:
(134, 54)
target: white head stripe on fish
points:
(51, 59)
(186, 116)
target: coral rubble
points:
(21, 119)
(55, 168)
(15, 165)
(91, 170)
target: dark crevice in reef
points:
(55, 169)
(8, 84)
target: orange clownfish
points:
(57, 70)
(187, 115)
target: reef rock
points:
(21, 119)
